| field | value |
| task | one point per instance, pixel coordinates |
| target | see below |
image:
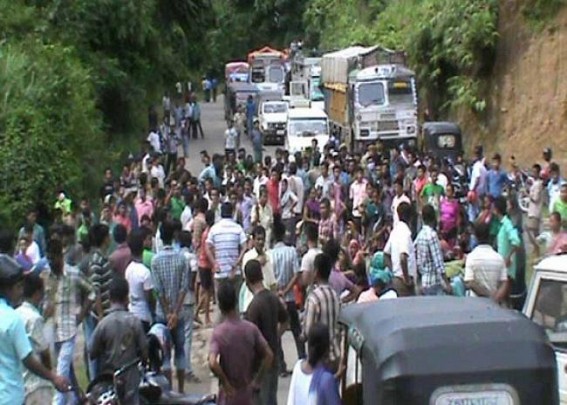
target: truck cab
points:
(546, 305)
(273, 121)
(384, 104)
(304, 125)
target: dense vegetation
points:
(75, 77)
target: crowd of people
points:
(277, 242)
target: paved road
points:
(212, 118)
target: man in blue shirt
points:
(16, 347)
(497, 178)
(250, 112)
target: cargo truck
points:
(370, 95)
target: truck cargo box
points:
(336, 106)
(336, 66)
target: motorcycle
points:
(519, 186)
(154, 388)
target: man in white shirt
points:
(477, 184)
(139, 280)
(187, 213)
(357, 193)
(308, 260)
(259, 253)
(154, 140)
(485, 269)
(226, 244)
(158, 172)
(231, 138)
(297, 187)
(325, 181)
(399, 198)
(400, 253)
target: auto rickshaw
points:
(236, 95)
(444, 350)
(442, 140)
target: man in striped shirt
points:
(323, 306)
(226, 245)
(285, 262)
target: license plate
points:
(280, 131)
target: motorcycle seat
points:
(173, 397)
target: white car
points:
(304, 125)
(273, 121)
(546, 305)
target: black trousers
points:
(196, 128)
(295, 326)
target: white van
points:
(303, 125)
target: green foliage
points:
(539, 11)
(244, 25)
(49, 126)
(450, 43)
(74, 71)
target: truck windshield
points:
(316, 93)
(400, 92)
(550, 312)
(275, 108)
(275, 75)
(307, 127)
(370, 94)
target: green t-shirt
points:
(432, 194)
(177, 207)
(507, 239)
(147, 257)
(561, 208)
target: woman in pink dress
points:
(449, 214)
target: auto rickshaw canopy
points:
(429, 335)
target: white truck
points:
(370, 95)
(308, 69)
(546, 305)
(304, 125)
(273, 121)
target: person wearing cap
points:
(16, 347)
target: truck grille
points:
(280, 125)
(388, 126)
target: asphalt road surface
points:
(212, 120)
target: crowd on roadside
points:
(283, 241)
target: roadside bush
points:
(50, 130)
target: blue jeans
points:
(65, 351)
(89, 325)
(188, 315)
(185, 140)
(177, 345)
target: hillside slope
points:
(528, 90)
